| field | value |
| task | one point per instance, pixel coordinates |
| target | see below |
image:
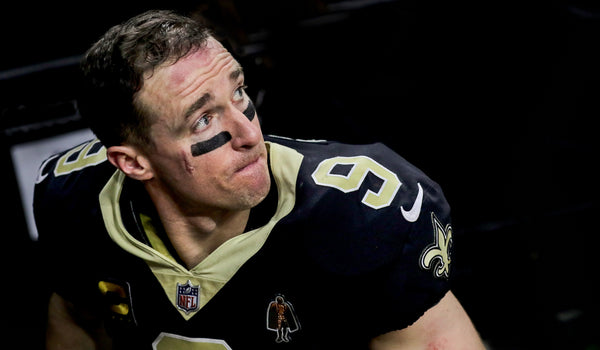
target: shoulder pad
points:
(61, 186)
(367, 206)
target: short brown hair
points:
(113, 71)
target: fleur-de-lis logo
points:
(437, 255)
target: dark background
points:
(495, 100)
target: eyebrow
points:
(204, 99)
(236, 73)
(198, 104)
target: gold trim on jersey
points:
(212, 273)
(155, 241)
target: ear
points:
(130, 161)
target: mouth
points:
(249, 165)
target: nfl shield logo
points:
(187, 297)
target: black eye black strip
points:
(221, 138)
(211, 144)
(250, 112)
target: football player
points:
(181, 226)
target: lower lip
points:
(249, 166)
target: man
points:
(204, 225)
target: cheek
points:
(188, 164)
(205, 168)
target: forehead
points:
(193, 70)
(198, 61)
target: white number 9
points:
(361, 166)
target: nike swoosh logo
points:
(413, 214)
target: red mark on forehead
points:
(198, 63)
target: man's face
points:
(209, 150)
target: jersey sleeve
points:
(66, 213)
(417, 278)
(420, 276)
(378, 219)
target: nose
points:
(245, 132)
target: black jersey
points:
(351, 242)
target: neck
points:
(194, 236)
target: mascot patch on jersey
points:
(281, 318)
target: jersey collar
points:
(220, 266)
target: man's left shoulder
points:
(373, 157)
(365, 205)
(364, 176)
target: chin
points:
(256, 192)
